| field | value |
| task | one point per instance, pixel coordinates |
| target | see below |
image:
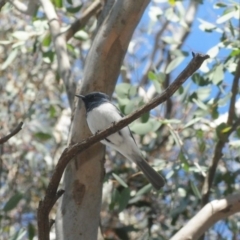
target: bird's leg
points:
(97, 132)
(113, 123)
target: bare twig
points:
(59, 40)
(46, 204)
(11, 134)
(85, 16)
(155, 49)
(221, 142)
(207, 216)
(234, 92)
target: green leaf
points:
(222, 130)
(81, 35)
(200, 104)
(182, 192)
(193, 121)
(170, 121)
(48, 56)
(120, 180)
(47, 40)
(13, 202)
(172, 2)
(214, 111)
(31, 231)
(43, 136)
(122, 102)
(21, 35)
(174, 63)
(225, 100)
(199, 80)
(133, 91)
(58, 3)
(52, 111)
(203, 93)
(231, 28)
(18, 44)
(19, 235)
(171, 15)
(227, 129)
(70, 2)
(202, 147)
(193, 96)
(123, 199)
(132, 105)
(184, 161)
(195, 190)
(122, 89)
(206, 26)
(5, 42)
(152, 76)
(170, 40)
(10, 58)
(218, 74)
(175, 137)
(144, 128)
(114, 199)
(235, 52)
(221, 5)
(74, 9)
(227, 16)
(144, 190)
(145, 117)
(157, 86)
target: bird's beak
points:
(80, 96)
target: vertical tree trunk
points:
(78, 212)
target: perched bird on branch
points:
(101, 113)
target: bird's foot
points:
(97, 132)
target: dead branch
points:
(11, 134)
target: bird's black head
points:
(93, 100)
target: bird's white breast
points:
(103, 117)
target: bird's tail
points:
(154, 178)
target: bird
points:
(101, 114)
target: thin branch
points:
(155, 49)
(28, 9)
(70, 152)
(11, 134)
(85, 16)
(234, 92)
(221, 142)
(207, 216)
(60, 44)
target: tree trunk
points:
(79, 209)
